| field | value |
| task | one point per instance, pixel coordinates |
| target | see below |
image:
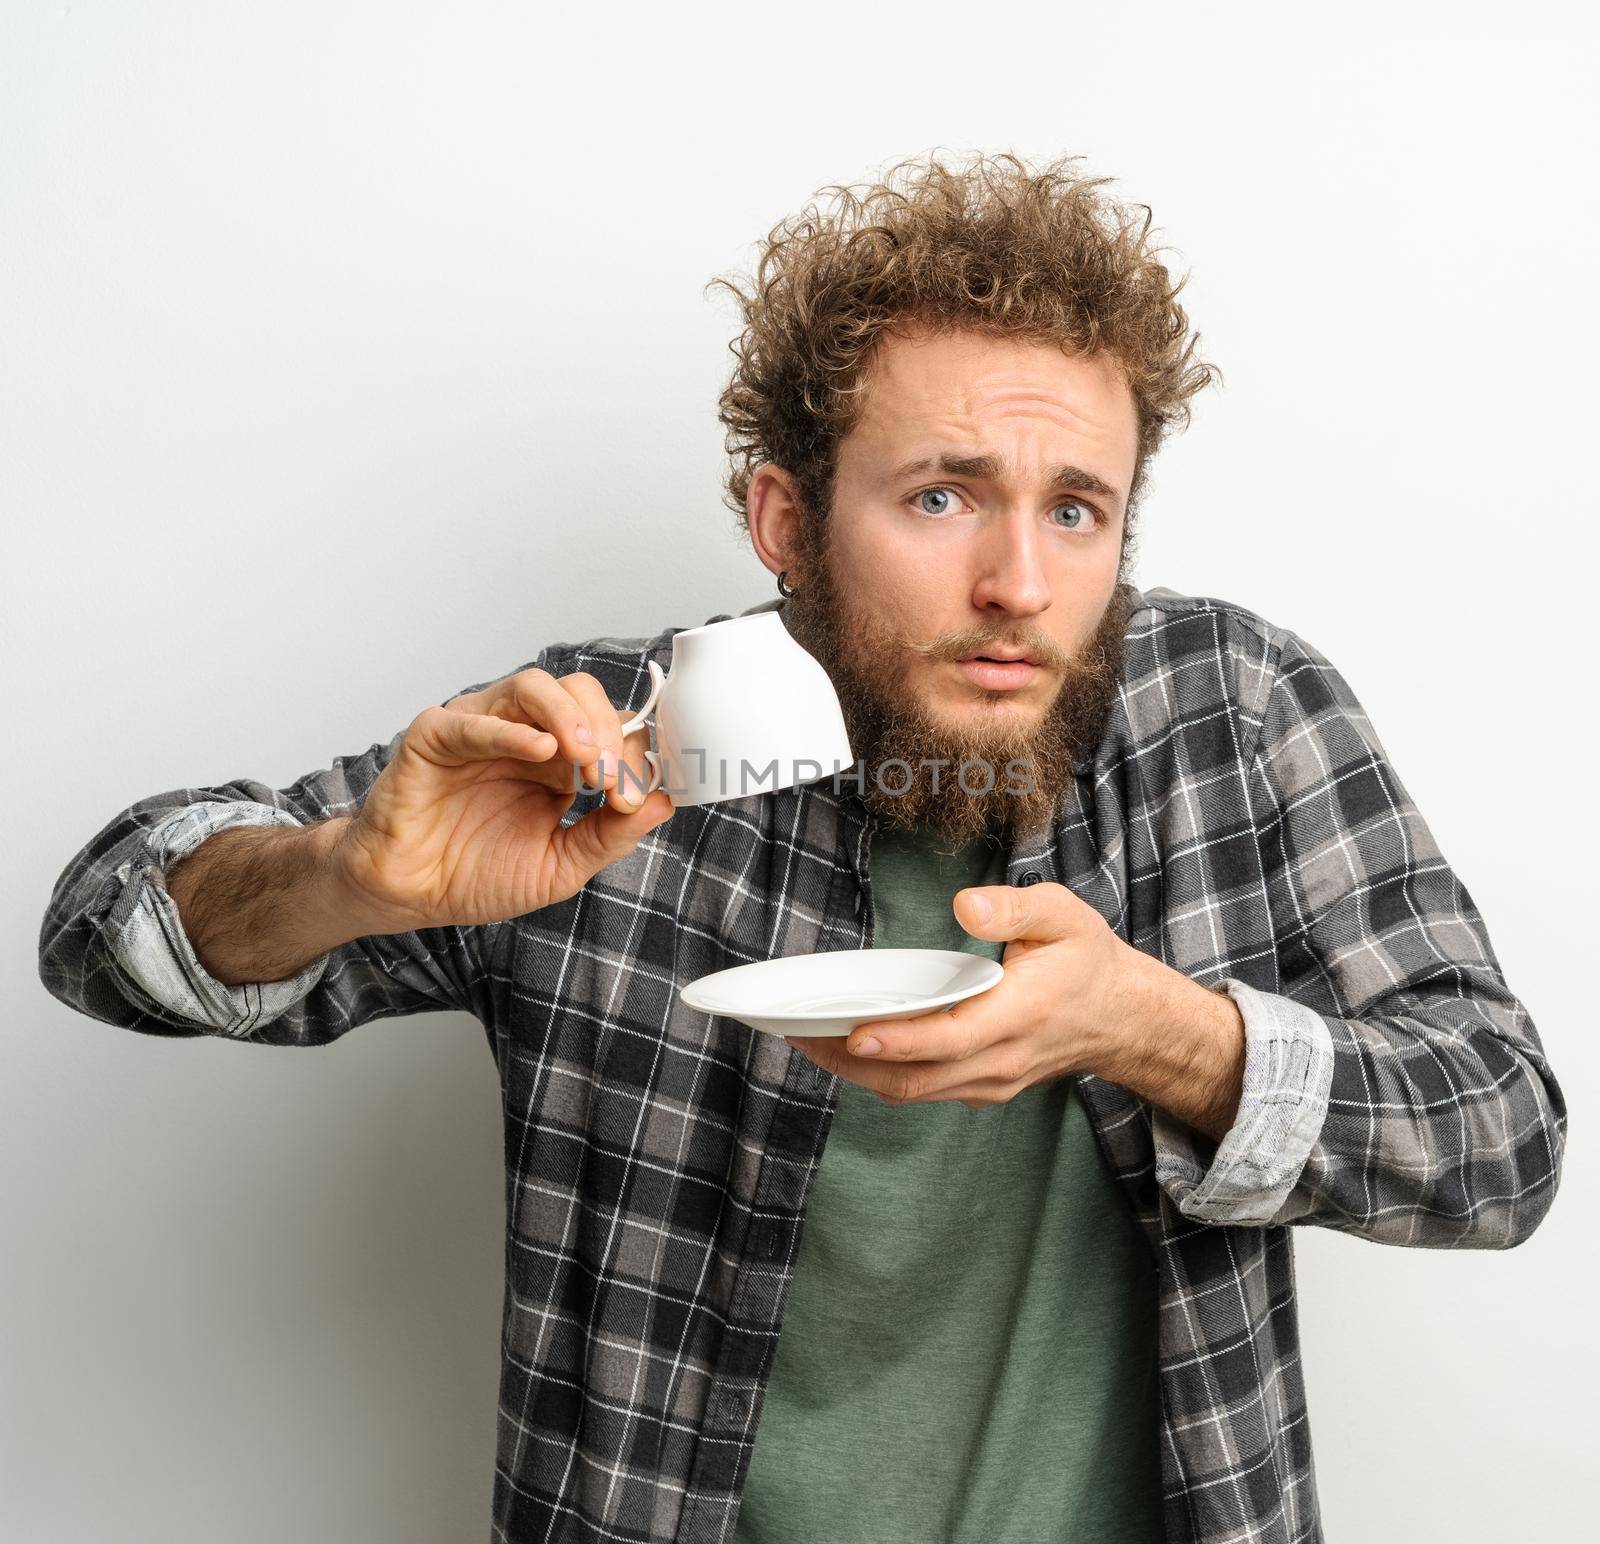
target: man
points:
(1030, 1258)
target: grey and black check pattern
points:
(1240, 820)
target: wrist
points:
(1176, 1044)
(347, 909)
(1132, 1025)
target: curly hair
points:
(989, 244)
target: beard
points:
(995, 776)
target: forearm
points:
(1445, 1127)
(1422, 1128)
(1178, 1045)
(259, 905)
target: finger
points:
(605, 834)
(945, 1035)
(536, 698)
(471, 702)
(897, 1084)
(1003, 912)
(830, 1053)
(606, 725)
(634, 774)
(453, 739)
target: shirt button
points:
(1030, 877)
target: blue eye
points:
(943, 500)
(1086, 515)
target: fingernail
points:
(981, 909)
(584, 734)
(868, 1047)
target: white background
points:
(350, 353)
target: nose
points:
(1011, 576)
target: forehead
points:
(964, 383)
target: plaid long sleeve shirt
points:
(1240, 820)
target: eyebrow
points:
(990, 467)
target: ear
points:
(773, 513)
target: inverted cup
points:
(744, 710)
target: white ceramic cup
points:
(744, 710)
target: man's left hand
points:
(1069, 983)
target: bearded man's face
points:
(964, 590)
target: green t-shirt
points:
(969, 1349)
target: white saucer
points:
(830, 993)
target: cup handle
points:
(658, 679)
(655, 770)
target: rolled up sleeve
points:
(146, 938)
(1288, 1069)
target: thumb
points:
(1000, 913)
(602, 836)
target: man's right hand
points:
(463, 825)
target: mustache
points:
(953, 646)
